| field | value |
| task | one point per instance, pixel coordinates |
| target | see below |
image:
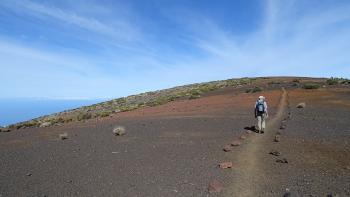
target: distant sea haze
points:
(22, 109)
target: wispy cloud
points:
(107, 50)
(119, 28)
(310, 44)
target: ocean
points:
(18, 110)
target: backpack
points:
(260, 106)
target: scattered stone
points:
(5, 129)
(275, 153)
(215, 187)
(225, 165)
(227, 148)
(284, 160)
(277, 138)
(119, 131)
(63, 136)
(282, 126)
(243, 137)
(301, 105)
(236, 143)
(45, 124)
(248, 131)
(29, 174)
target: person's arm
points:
(266, 112)
(255, 111)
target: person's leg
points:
(263, 117)
(259, 123)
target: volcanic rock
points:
(275, 153)
(284, 160)
(225, 165)
(236, 143)
(5, 130)
(301, 105)
(277, 138)
(63, 136)
(227, 148)
(119, 131)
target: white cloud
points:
(119, 28)
(313, 43)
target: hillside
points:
(150, 99)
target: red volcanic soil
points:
(175, 150)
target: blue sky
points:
(106, 49)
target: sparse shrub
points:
(68, 120)
(273, 82)
(104, 114)
(253, 90)
(31, 124)
(120, 100)
(296, 81)
(60, 120)
(310, 86)
(194, 94)
(141, 105)
(257, 89)
(346, 81)
(332, 81)
(244, 81)
(207, 87)
(336, 80)
(295, 84)
(128, 108)
(232, 82)
(83, 116)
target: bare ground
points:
(174, 150)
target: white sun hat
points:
(261, 97)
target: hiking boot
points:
(262, 131)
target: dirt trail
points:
(249, 176)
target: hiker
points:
(261, 113)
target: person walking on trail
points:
(261, 113)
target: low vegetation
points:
(310, 86)
(83, 116)
(253, 90)
(150, 99)
(335, 81)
